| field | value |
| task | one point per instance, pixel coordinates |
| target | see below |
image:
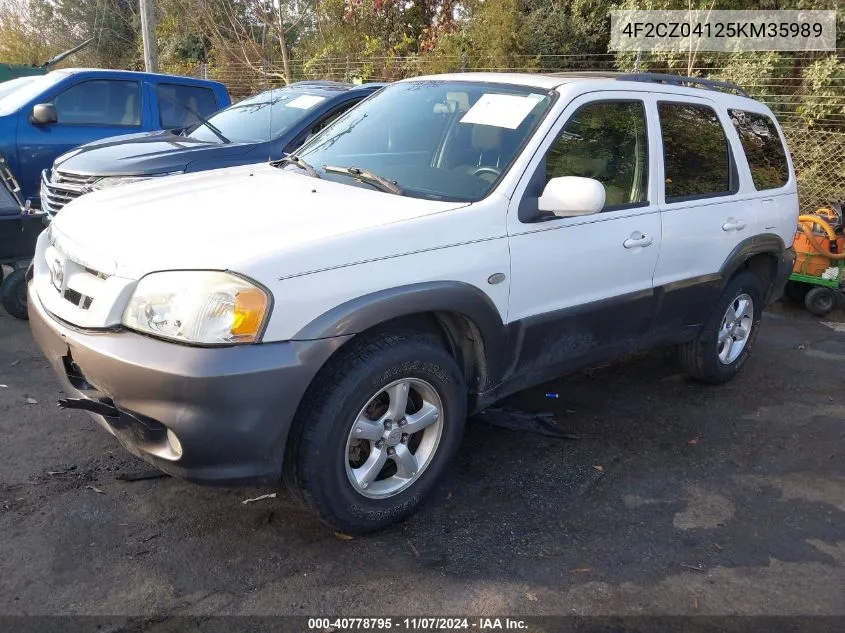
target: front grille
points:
(75, 283)
(58, 188)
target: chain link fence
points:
(813, 119)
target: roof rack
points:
(658, 78)
(680, 80)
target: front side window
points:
(104, 102)
(763, 148)
(262, 117)
(439, 140)
(179, 105)
(607, 141)
(696, 154)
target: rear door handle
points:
(638, 239)
(733, 224)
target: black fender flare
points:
(367, 311)
(763, 244)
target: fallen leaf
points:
(14, 362)
(581, 570)
(416, 551)
(4, 386)
(31, 400)
(692, 567)
(95, 489)
(717, 546)
(599, 468)
(272, 495)
(695, 604)
(693, 441)
(530, 596)
(343, 537)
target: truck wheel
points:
(721, 348)
(820, 300)
(796, 290)
(379, 427)
(13, 293)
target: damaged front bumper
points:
(211, 415)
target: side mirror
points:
(572, 195)
(44, 114)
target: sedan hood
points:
(143, 154)
(226, 219)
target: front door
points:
(581, 287)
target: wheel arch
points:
(759, 254)
(463, 316)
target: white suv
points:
(331, 319)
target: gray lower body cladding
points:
(230, 407)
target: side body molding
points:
(455, 297)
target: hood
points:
(142, 154)
(225, 219)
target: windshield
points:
(262, 117)
(440, 140)
(13, 100)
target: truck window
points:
(192, 98)
(763, 148)
(696, 153)
(106, 102)
(607, 141)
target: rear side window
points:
(607, 141)
(106, 102)
(763, 148)
(696, 154)
(177, 105)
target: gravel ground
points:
(666, 497)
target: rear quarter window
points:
(763, 148)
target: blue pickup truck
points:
(58, 111)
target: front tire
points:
(377, 430)
(720, 350)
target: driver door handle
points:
(733, 224)
(638, 239)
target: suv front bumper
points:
(230, 407)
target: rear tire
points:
(13, 294)
(796, 290)
(820, 300)
(348, 457)
(720, 350)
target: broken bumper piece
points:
(211, 415)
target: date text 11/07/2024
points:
(416, 624)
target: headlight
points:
(194, 306)
(111, 181)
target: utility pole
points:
(148, 35)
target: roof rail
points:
(680, 80)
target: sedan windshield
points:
(262, 117)
(440, 140)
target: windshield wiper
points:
(290, 159)
(368, 177)
(196, 114)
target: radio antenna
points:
(266, 83)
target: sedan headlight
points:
(112, 181)
(194, 306)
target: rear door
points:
(707, 207)
(581, 287)
(88, 110)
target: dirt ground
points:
(666, 497)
